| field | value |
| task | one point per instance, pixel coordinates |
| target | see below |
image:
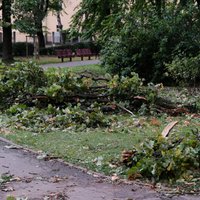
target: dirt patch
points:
(34, 178)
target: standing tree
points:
(141, 35)
(106, 18)
(93, 17)
(7, 31)
(29, 15)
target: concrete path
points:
(49, 179)
(71, 64)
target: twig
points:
(125, 109)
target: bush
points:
(51, 50)
(185, 70)
(20, 48)
(146, 46)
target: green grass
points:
(97, 149)
(48, 59)
(95, 69)
(100, 149)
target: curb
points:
(82, 169)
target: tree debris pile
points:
(27, 83)
(57, 99)
(32, 96)
(175, 158)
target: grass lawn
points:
(99, 149)
(49, 59)
(95, 69)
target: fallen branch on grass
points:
(168, 128)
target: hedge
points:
(19, 48)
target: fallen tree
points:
(27, 83)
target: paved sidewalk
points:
(35, 178)
(71, 64)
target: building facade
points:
(50, 24)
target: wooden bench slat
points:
(67, 53)
(84, 52)
(64, 53)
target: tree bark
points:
(183, 3)
(159, 7)
(40, 35)
(7, 31)
(60, 26)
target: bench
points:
(64, 53)
(84, 53)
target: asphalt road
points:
(71, 64)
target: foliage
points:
(124, 87)
(182, 96)
(29, 14)
(54, 118)
(22, 48)
(153, 44)
(4, 178)
(92, 15)
(104, 19)
(173, 158)
(27, 83)
(27, 92)
(10, 198)
(153, 35)
(185, 70)
(19, 82)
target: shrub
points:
(20, 49)
(23, 49)
(51, 50)
(146, 46)
(185, 70)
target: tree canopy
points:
(144, 36)
(98, 17)
(29, 15)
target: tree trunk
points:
(7, 31)
(159, 7)
(40, 35)
(183, 3)
(60, 27)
